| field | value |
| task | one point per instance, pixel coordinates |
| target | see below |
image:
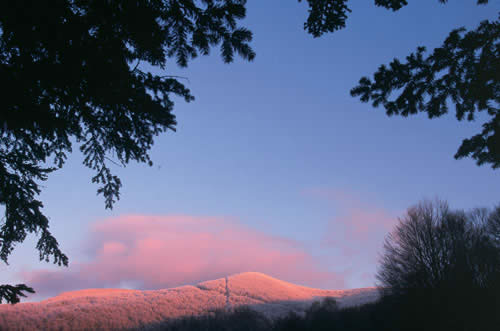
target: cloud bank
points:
(154, 252)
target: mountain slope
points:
(116, 308)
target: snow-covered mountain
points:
(116, 308)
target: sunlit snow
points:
(119, 308)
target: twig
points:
(114, 162)
(138, 62)
(172, 76)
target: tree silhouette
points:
(430, 246)
(72, 73)
(493, 225)
(434, 259)
(463, 71)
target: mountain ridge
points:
(124, 308)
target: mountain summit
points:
(120, 308)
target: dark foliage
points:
(464, 71)
(398, 4)
(374, 316)
(444, 265)
(493, 226)
(240, 319)
(326, 16)
(433, 247)
(387, 314)
(70, 73)
(12, 293)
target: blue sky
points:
(279, 146)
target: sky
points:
(274, 167)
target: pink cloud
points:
(358, 218)
(356, 229)
(363, 222)
(153, 252)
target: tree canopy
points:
(434, 247)
(73, 76)
(435, 258)
(464, 71)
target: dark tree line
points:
(72, 76)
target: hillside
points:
(116, 308)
